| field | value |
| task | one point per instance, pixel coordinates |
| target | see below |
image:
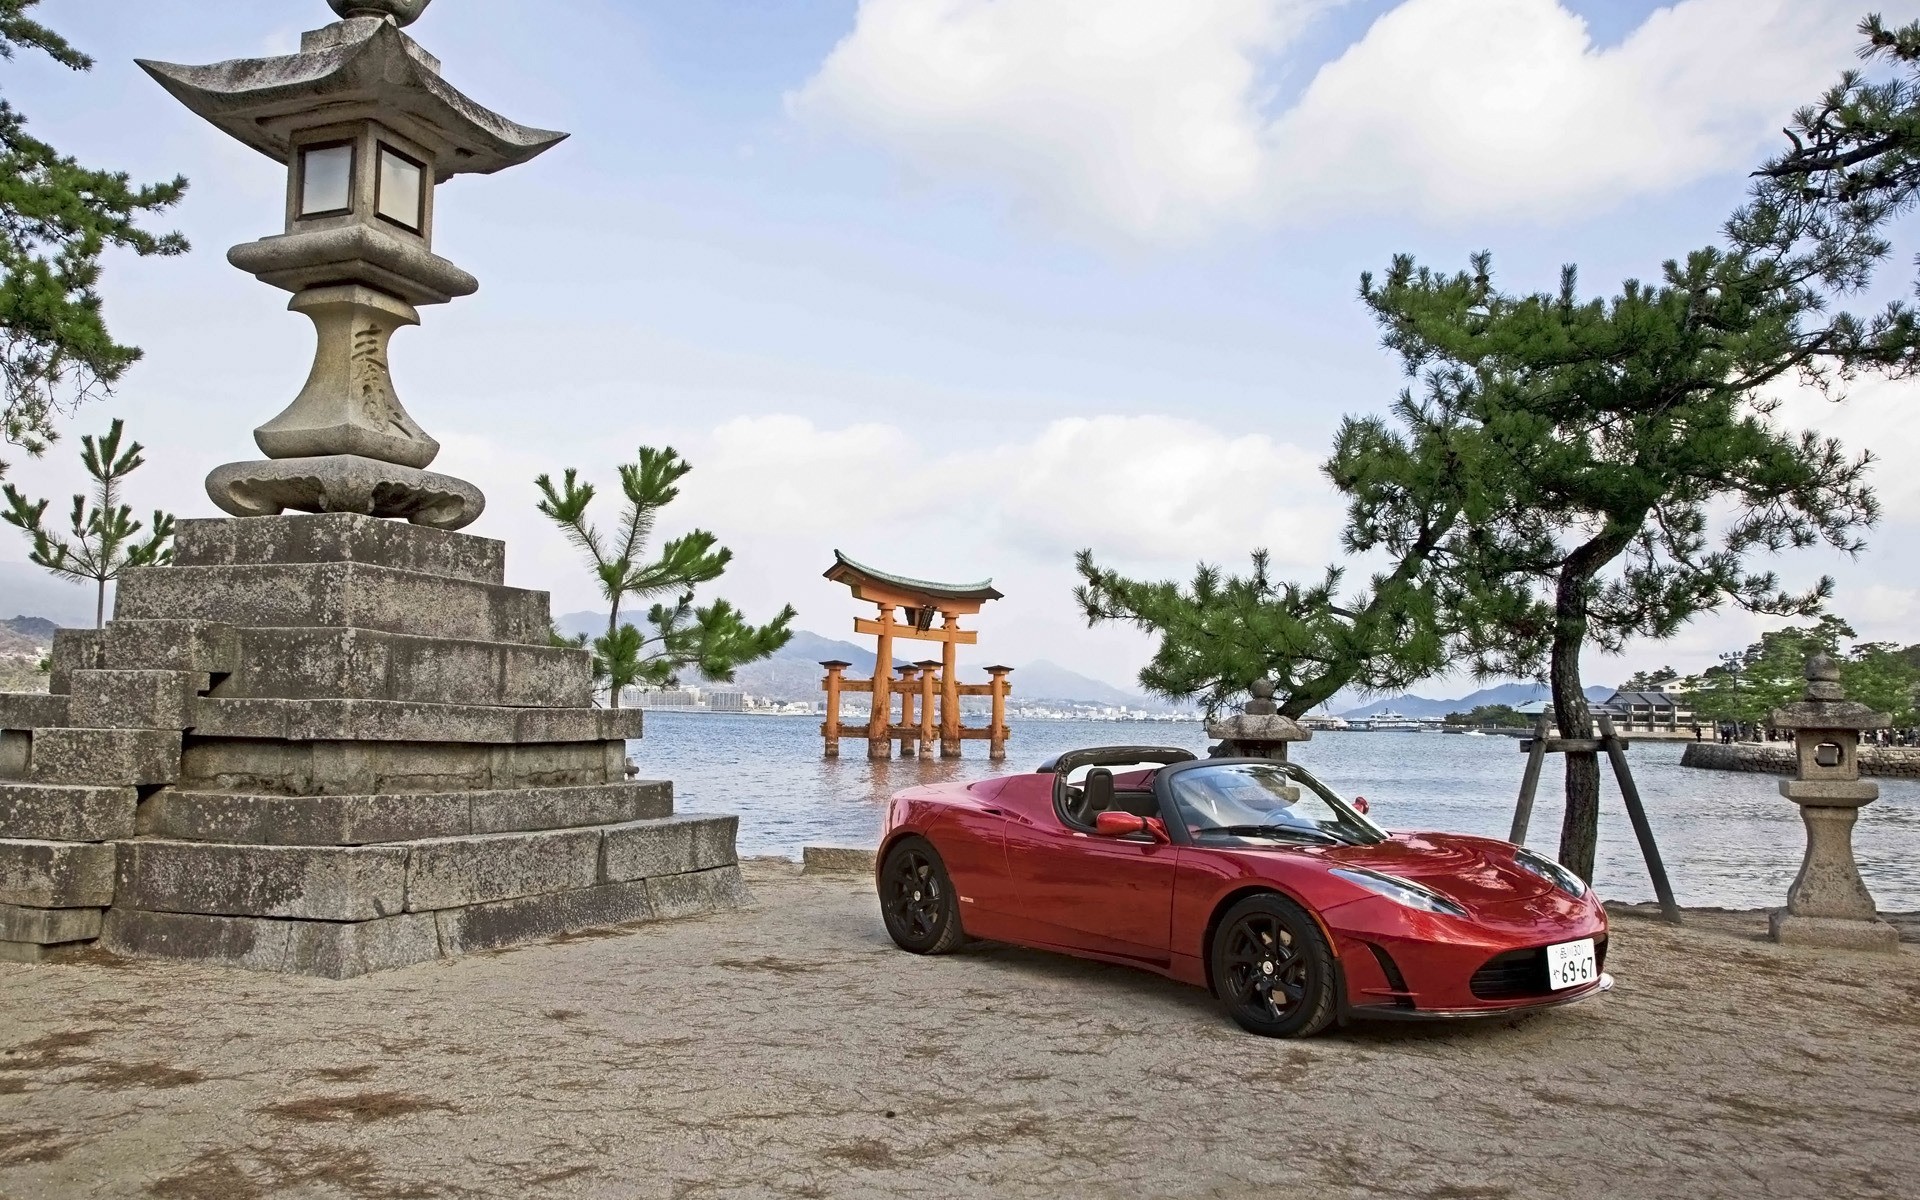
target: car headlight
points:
(1401, 891)
(1550, 871)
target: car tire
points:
(1273, 968)
(917, 900)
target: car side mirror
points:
(1126, 824)
(1361, 806)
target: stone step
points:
(339, 949)
(308, 595)
(202, 647)
(122, 699)
(339, 537)
(66, 812)
(36, 873)
(302, 763)
(368, 664)
(393, 721)
(332, 883)
(360, 883)
(48, 926)
(205, 816)
(104, 757)
(32, 710)
(329, 949)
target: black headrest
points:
(1099, 790)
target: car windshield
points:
(1270, 800)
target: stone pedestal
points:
(327, 745)
(1828, 904)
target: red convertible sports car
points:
(1246, 876)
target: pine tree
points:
(56, 220)
(715, 639)
(101, 538)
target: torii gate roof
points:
(870, 584)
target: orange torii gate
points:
(929, 682)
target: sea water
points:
(1729, 838)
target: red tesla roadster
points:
(1246, 876)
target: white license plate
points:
(1571, 964)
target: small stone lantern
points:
(366, 129)
(1258, 730)
(1828, 904)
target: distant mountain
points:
(1512, 694)
(37, 629)
(1043, 680)
(25, 588)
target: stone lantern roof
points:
(1826, 705)
(362, 67)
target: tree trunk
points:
(613, 627)
(1580, 823)
(100, 604)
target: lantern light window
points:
(326, 179)
(400, 193)
(1828, 754)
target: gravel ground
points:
(790, 1051)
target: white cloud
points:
(1151, 118)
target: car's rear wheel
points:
(1273, 969)
(917, 900)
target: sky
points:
(960, 287)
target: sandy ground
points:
(790, 1051)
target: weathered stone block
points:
(535, 918)
(73, 650)
(330, 949)
(326, 664)
(114, 699)
(105, 757)
(58, 813)
(321, 883)
(16, 753)
(570, 807)
(672, 846)
(45, 874)
(1835, 933)
(388, 721)
(48, 926)
(32, 710)
(201, 647)
(698, 892)
(352, 767)
(453, 872)
(836, 860)
(254, 819)
(337, 594)
(339, 537)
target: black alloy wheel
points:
(1273, 969)
(917, 899)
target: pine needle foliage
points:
(714, 639)
(102, 538)
(57, 218)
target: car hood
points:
(1474, 871)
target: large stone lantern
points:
(1829, 904)
(323, 742)
(366, 128)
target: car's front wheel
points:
(917, 900)
(1273, 969)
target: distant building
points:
(661, 698)
(1648, 710)
(727, 701)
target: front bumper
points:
(1395, 1012)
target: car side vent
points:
(1395, 979)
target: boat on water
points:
(1476, 733)
(1389, 721)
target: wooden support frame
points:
(1541, 744)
